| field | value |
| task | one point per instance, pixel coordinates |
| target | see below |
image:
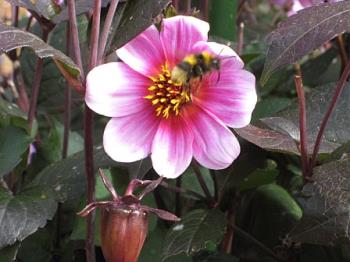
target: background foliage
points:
(266, 209)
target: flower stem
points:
(202, 183)
(36, 83)
(89, 171)
(178, 197)
(339, 89)
(95, 34)
(75, 36)
(302, 124)
(342, 50)
(226, 243)
(88, 138)
(15, 15)
(184, 6)
(216, 186)
(66, 121)
(204, 8)
(106, 27)
(240, 38)
(176, 4)
(29, 23)
(67, 101)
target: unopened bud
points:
(123, 233)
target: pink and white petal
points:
(115, 90)
(144, 53)
(172, 147)
(229, 58)
(214, 145)
(232, 99)
(129, 138)
(179, 34)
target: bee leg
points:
(198, 71)
(217, 81)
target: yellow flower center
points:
(166, 96)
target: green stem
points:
(202, 183)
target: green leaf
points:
(67, 177)
(138, 15)
(52, 145)
(9, 253)
(258, 178)
(22, 214)
(267, 214)
(301, 33)
(13, 143)
(12, 38)
(41, 241)
(151, 252)
(10, 114)
(196, 230)
(223, 13)
(214, 257)
(270, 106)
(190, 181)
(326, 206)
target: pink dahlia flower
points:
(152, 115)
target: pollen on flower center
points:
(167, 96)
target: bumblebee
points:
(194, 67)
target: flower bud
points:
(124, 222)
(123, 232)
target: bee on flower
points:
(157, 109)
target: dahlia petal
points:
(172, 148)
(129, 138)
(144, 53)
(114, 90)
(232, 99)
(214, 145)
(179, 34)
(229, 58)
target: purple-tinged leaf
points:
(301, 33)
(92, 206)
(137, 16)
(108, 184)
(12, 38)
(317, 102)
(45, 8)
(23, 214)
(269, 139)
(289, 127)
(282, 132)
(194, 232)
(150, 187)
(81, 6)
(326, 206)
(53, 12)
(161, 213)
